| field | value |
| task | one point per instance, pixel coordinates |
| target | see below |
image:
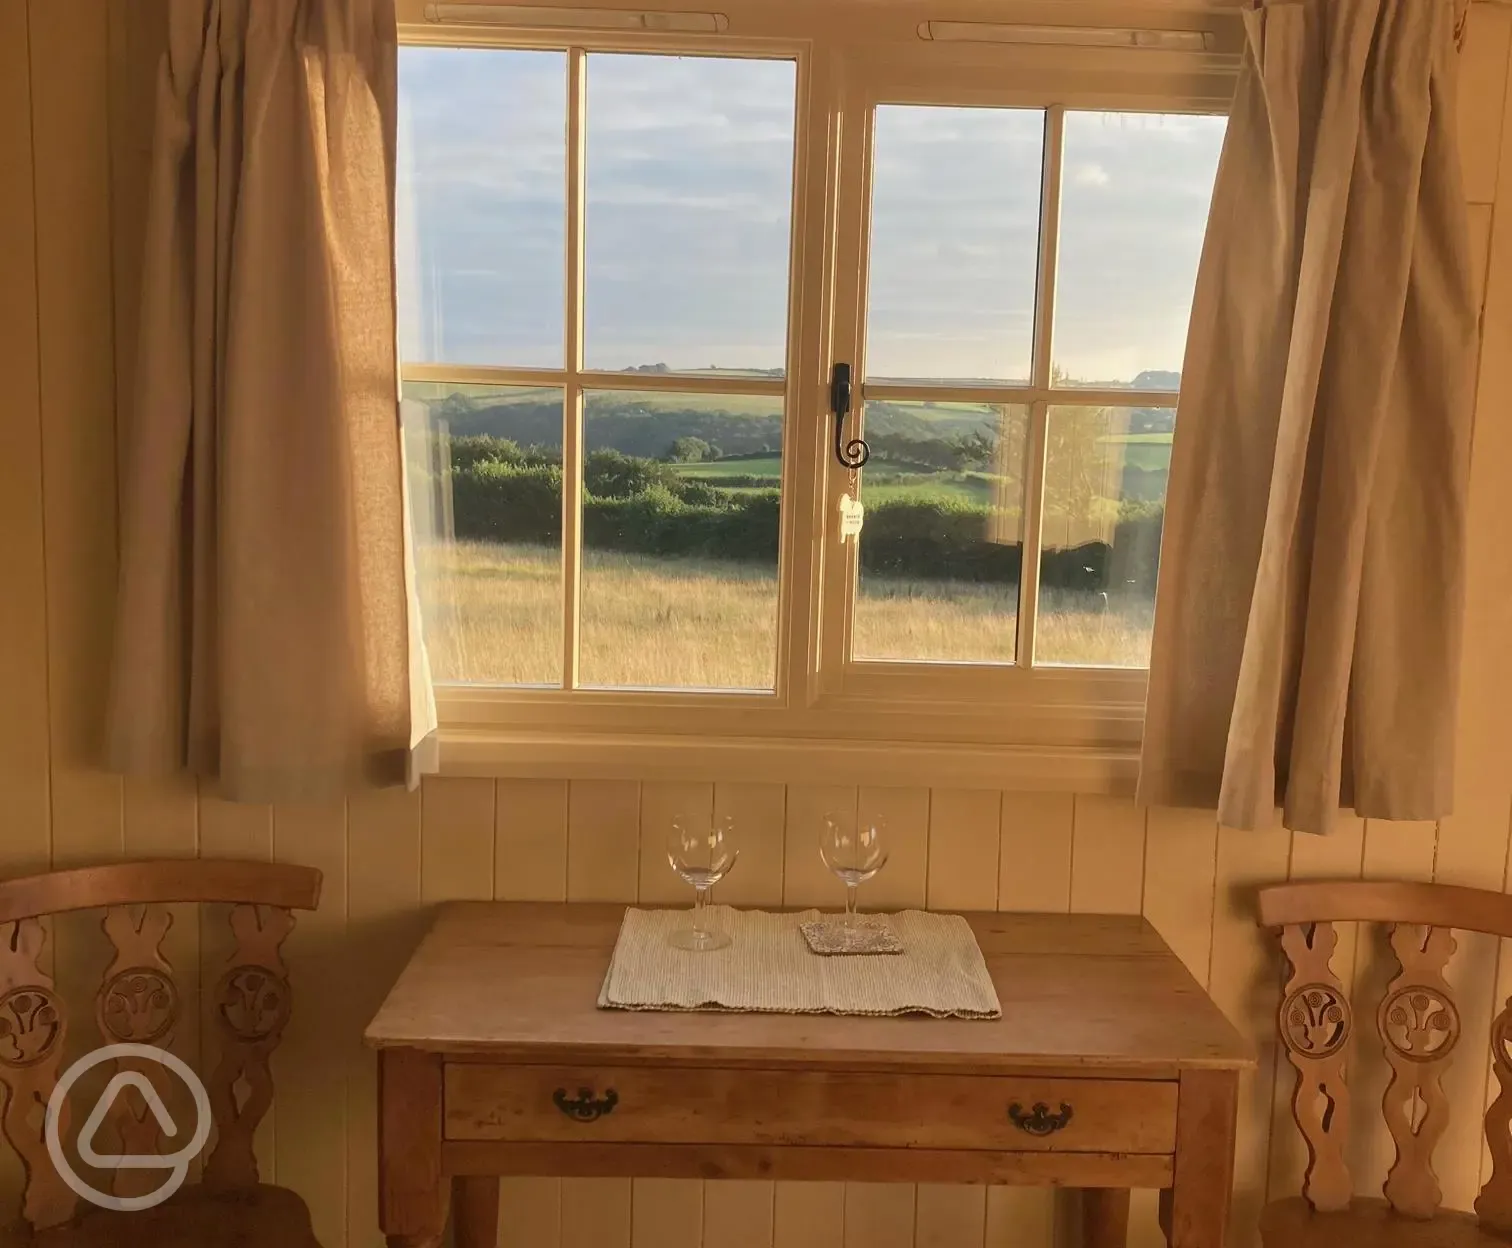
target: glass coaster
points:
(832, 936)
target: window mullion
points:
(1050, 204)
(849, 155)
(572, 404)
(1034, 510)
(1039, 413)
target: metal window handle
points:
(855, 453)
(1039, 1121)
(585, 1107)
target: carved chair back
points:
(139, 1002)
(1417, 1024)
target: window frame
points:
(829, 717)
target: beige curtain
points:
(1307, 630)
(266, 632)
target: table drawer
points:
(670, 1105)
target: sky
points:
(689, 187)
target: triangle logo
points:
(130, 1161)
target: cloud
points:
(1090, 175)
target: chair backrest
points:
(138, 1002)
(1417, 1023)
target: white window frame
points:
(832, 719)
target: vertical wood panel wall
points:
(75, 84)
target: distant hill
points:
(647, 424)
(641, 425)
(625, 423)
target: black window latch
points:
(854, 453)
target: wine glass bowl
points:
(702, 850)
(854, 849)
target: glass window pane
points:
(482, 205)
(1134, 208)
(485, 485)
(1105, 488)
(954, 244)
(680, 527)
(941, 542)
(689, 203)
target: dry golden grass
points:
(493, 616)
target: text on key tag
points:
(852, 516)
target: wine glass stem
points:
(850, 904)
(700, 900)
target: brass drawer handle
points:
(1040, 1121)
(585, 1107)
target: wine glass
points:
(855, 849)
(701, 850)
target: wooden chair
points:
(139, 1003)
(1417, 1024)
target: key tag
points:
(852, 516)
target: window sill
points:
(555, 754)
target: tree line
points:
(498, 490)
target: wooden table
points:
(1109, 1069)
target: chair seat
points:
(257, 1217)
(1368, 1224)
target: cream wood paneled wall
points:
(76, 84)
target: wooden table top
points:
(1080, 993)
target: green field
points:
(879, 484)
(968, 487)
(1144, 452)
(715, 470)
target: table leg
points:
(475, 1209)
(1105, 1217)
(1195, 1213)
(412, 1195)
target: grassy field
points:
(493, 615)
(967, 487)
(718, 470)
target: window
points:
(647, 379)
(629, 265)
(1029, 274)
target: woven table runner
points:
(768, 969)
